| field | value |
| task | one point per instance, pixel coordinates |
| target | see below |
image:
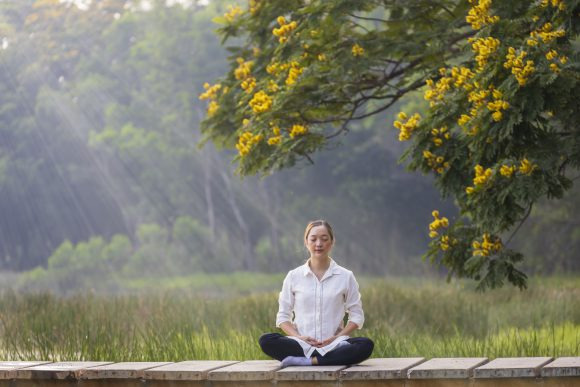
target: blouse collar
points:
(333, 268)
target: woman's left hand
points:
(324, 343)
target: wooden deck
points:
(387, 372)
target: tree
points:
(501, 79)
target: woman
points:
(318, 293)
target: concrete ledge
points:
(519, 367)
(384, 372)
(563, 366)
(446, 368)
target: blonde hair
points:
(316, 223)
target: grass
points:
(405, 317)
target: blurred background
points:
(104, 185)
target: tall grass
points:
(404, 318)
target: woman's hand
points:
(310, 340)
(324, 343)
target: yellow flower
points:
(285, 29)
(437, 224)
(516, 64)
(408, 127)
(274, 140)
(487, 246)
(464, 119)
(507, 171)
(298, 130)
(248, 84)
(261, 102)
(554, 67)
(244, 69)
(478, 16)
(233, 12)
(482, 176)
(526, 167)
(212, 108)
(246, 141)
(293, 74)
(551, 54)
(469, 190)
(357, 50)
(484, 48)
(210, 91)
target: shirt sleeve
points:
(285, 301)
(353, 304)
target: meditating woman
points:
(312, 306)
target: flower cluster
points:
(437, 163)
(298, 130)
(248, 84)
(507, 171)
(294, 72)
(246, 141)
(461, 77)
(437, 135)
(261, 102)
(516, 64)
(273, 86)
(487, 246)
(483, 48)
(554, 3)
(497, 105)
(211, 94)
(408, 127)
(210, 91)
(544, 33)
(277, 138)
(276, 68)
(212, 108)
(254, 6)
(436, 91)
(478, 16)
(233, 12)
(526, 167)
(482, 176)
(552, 55)
(437, 224)
(357, 50)
(285, 29)
(446, 242)
(244, 69)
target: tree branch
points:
(521, 223)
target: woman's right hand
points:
(309, 340)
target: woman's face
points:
(319, 242)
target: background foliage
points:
(103, 185)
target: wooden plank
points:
(8, 368)
(446, 368)
(186, 370)
(381, 368)
(309, 373)
(59, 370)
(246, 370)
(512, 367)
(562, 366)
(126, 370)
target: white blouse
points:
(319, 306)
